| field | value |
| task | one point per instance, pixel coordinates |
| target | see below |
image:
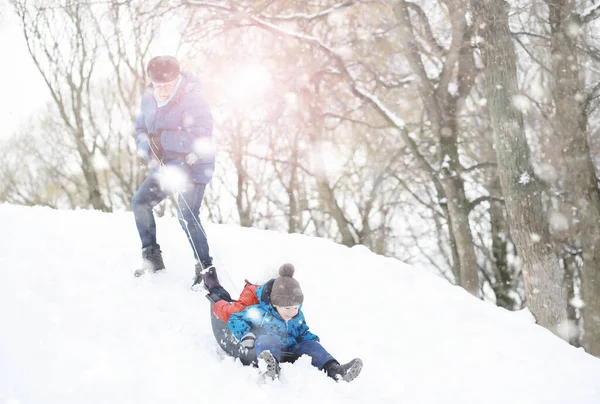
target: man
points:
(173, 130)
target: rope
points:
(177, 192)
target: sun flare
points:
(250, 81)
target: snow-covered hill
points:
(77, 327)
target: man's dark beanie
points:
(163, 69)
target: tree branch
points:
(590, 14)
(313, 16)
(480, 166)
(428, 34)
(486, 198)
(414, 59)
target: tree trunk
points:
(242, 202)
(294, 212)
(326, 192)
(546, 297)
(89, 173)
(580, 182)
(571, 269)
(461, 231)
(505, 282)
(327, 196)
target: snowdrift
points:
(77, 327)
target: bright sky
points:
(23, 89)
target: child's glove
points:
(248, 340)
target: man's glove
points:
(156, 150)
(191, 159)
(248, 340)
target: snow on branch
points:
(305, 16)
(395, 119)
(298, 35)
(293, 16)
(590, 14)
(339, 60)
(199, 3)
(399, 122)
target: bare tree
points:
(543, 277)
(126, 31)
(92, 57)
(308, 130)
(581, 196)
(65, 54)
(443, 108)
(558, 88)
(442, 104)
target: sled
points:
(229, 343)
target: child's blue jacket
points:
(263, 319)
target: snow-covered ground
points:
(77, 327)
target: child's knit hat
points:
(286, 290)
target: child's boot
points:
(346, 372)
(268, 365)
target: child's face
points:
(288, 312)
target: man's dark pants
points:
(150, 193)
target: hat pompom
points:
(286, 270)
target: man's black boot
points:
(151, 260)
(211, 282)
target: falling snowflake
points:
(453, 89)
(477, 40)
(291, 100)
(204, 147)
(525, 178)
(573, 30)
(100, 162)
(173, 179)
(577, 302)
(188, 120)
(521, 102)
(558, 222)
(345, 52)
(546, 172)
(538, 91)
(567, 328)
(337, 19)
(254, 313)
(446, 162)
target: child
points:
(274, 327)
